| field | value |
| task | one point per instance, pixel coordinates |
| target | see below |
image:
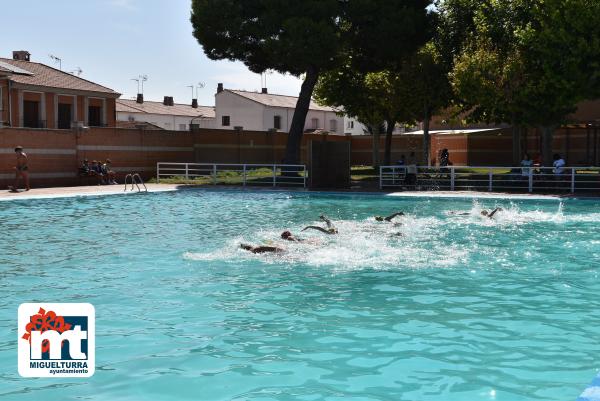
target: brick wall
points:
(55, 155)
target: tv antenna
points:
(263, 78)
(56, 60)
(140, 81)
(197, 87)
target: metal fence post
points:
(187, 174)
(572, 180)
(244, 176)
(274, 175)
(305, 173)
(452, 178)
(380, 177)
(214, 174)
(490, 180)
(157, 173)
(530, 179)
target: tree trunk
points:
(426, 137)
(547, 134)
(292, 150)
(516, 145)
(376, 131)
(389, 130)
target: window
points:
(315, 123)
(64, 116)
(94, 116)
(277, 122)
(333, 125)
(225, 121)
(350, 124)
(182, 127)
(31, 114)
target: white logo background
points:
(61, 309)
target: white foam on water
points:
(408, 242)
(359, 244)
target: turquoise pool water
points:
(457, 308)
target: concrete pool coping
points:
(103, 190)
(69, 192)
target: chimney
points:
(21, 55)
(195, 103)
(264, 90)
(171, 102)
(219, 88)
(140, 98)
(166, 100)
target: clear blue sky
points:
(113, 41)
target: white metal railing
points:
(526, 179)
(244, 174)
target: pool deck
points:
(67, 192)
(99, 190)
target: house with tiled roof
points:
(35, 95)
(263, 111)
(166, 114)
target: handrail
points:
(134, 181)
(280, 174)
(490, 178)
(139, 178)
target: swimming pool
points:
(455, 308)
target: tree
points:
(308, 38)
(408, 92)
(528, 62)
(372, 98)
(425, 80)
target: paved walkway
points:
(65, 192)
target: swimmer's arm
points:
(316, 228)
(494, 212)
(327, 221)
(390, 217)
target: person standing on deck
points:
(21, 169)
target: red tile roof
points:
(45, 76)
(178, 109)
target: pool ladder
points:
(135, 179)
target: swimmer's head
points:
(246, 247)
(286, 234)
(484, 212)
(378, 218)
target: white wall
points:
(165, 121)
(242, 112)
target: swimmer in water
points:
(288, 236)
(484, 213)
(390, 217)
(492, 213)
(330, 227)
(261, 249)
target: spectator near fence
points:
(526, 165)
(558, 164)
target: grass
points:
(261, 176)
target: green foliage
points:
(310, 37)
(528, 62)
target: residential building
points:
(166, 114)
(35, 95)
(262, 111)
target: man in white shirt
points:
(559, 164)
